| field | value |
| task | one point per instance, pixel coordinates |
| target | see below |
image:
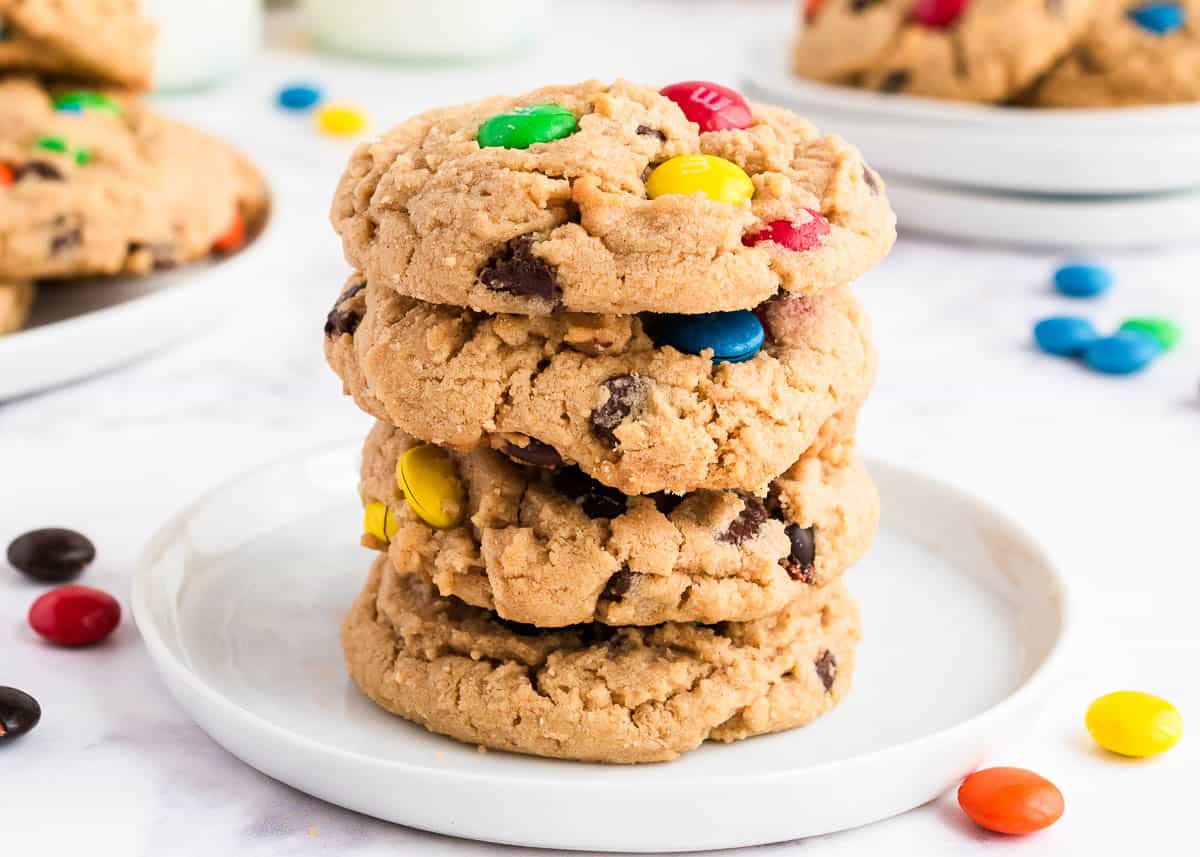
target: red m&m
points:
(938, 13)
(791, 234)
(75, 615)
(711, 106)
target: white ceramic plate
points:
(240, 598)
(83, 327)
(1125, 151)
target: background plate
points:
(240, 598)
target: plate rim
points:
(1028, 692)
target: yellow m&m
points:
(378, 521)
(427, 477)
(341, 120)
(718, 179)
(1132, 723)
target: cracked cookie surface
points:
(592, 692)
(569, 224)
(599, 391)
(16, 299)
(547, 546)
(114, 190)
(107, 40)
(991, 51)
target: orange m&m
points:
(1010, 800)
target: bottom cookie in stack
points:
(594, 692)
(16, 299)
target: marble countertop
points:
(1104, 471)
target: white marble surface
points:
(1104, 470)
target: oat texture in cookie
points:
(543, 544)
(978, 50)
(592, 692)
(94, 182)
(628, 207)
(16, 299)
(599, 391)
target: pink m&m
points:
(711, 106)
(938, 13)
(791, 234)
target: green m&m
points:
(79, 100)
(524, 126)
(1165, 333)
(58, 144)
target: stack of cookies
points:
(92, 181)
(1040, 53)
(608, 337)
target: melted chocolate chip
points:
(826, 666)
(19, 713)
(746, 525)
(534, 452)
(863, 5)
(666, 503)
(596, 499)
(799, 562)
(618, 585)
(64, 241)
(51, 555)
(626, 398)
(340, 321)
(647, 131)
(895, 81)
(520, 628)
(515, 269)
(37, 170)
(162, 255)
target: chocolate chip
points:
(65, 241)
(340, 321)
(895, 81)
(51, 555)
(162, 254)
(19, 713)
(863, 5)
(626, 398)
(618, 585)
(533, 452)
(596, 499)
(666, 503)
(515, 269)
(647, 131)
(37, 170)
(826, 666)
(746, 525)
(525, 630)
(799, 562)
(870, 178)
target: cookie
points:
(978, 50)
(106, 40)
(547, 546)
(570, 223)
(1134, 53)
(16, 299)
(591, 692)
(597, 391)
(101, 184)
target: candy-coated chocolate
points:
(80, 100)
(378, 521)
(718, 179)
(1064, 335)
(733, 336)
(1082, 280)
(234, 237)
(1165, 332)
(75, 615)
(811, 8)
(6, 176)
(341, 120)
(19, 713)
(792, 234)
(51, 144)
(1159, 18)
(711, 106)
(938, 13)
(52, 554)
(524, 126)
(431, 486)
(1010, 800)
(298, 96)
(1132, 723)
(1123, 353)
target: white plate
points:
(240, 597)
(83, 327)
(1115, 151)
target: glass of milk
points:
(203, 43)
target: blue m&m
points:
(298, 96)
(732, 336)
(1082, 280)
(1123, 353)
(1159, 18)
(1064, 335)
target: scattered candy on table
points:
(1064, 335)
(341, 120)
(1165, 332)
(1010, 800)
(77, 101)
(51, 555)
(732, 336)
(379, 522)
(718, 179)
(792, 234)
(298, 96)
(1082, 280)
(75, 615)
(1132, 723)
(938, 13)
(19, 713)
(1123, 353)
(522, 127)
(426, 475)
(711, 106)
(1159, 18)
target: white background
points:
(1105, 471)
